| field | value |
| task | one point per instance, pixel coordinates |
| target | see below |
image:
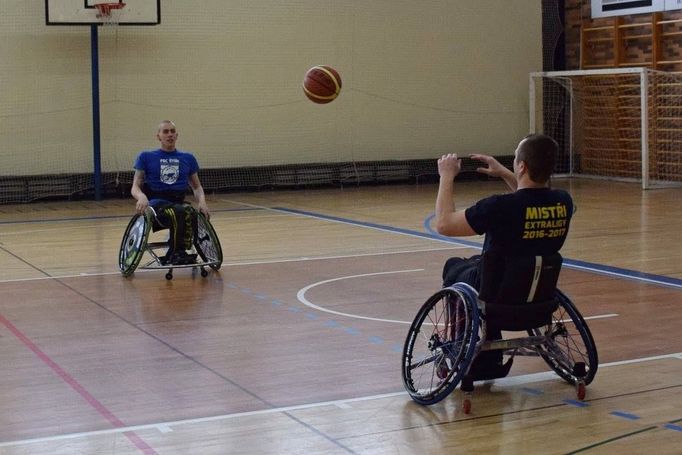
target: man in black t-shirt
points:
(532, 220)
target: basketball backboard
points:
(84, 12)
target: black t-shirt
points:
(530, 221)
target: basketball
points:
(322, 84)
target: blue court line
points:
(107, 217)
(627, 274)
(625, 415)
(532, 391)
(671, 426)
(576, 403)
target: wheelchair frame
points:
(135, 244)
(446, 336)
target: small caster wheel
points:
(580, 390)
(204, 272)
(466, 405)
(169, 276)
(579, 371)
(467, 388)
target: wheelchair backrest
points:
(519, 292)
(516, 280)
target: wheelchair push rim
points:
(133, 244)
(207, 244)
(569, 343)
(440, 344)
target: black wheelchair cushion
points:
(520, 317)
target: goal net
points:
(612, 123)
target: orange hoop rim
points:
(104, 9)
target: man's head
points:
(536, 155)
(167, 134)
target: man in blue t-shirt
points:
(532, 220)
(160, 182)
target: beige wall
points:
(420, 79)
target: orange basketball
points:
(322, 84)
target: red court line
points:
(71, 381)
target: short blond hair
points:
(164, 122)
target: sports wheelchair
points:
(207, 250)
(451, 331)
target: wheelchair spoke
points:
(569, 343)
(133, 244)
(436, 346)
(207, 244)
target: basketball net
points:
(109, 13)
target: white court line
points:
(237, 264)
(300, 295)
(89, 227)
(346, 256)
(453, 240)
(349, 223)
(164, 427)
(599, 316)
(545, 375)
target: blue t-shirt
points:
(166, 174)
(532, 221)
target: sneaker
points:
(183, 258)
(178, 258)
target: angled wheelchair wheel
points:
(440, 344)
(207, 243)
(133, 244)
(571, 351)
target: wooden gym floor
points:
(294, 346)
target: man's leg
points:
(163, 218)
(190, 226)
(466, 270)
(173, 217)
(182, 234)
(462, 270)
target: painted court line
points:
(545, 375)
(102, 410)
(238, 264)
(431, 235)
(164, 427)
(300, 295)
(625, 415)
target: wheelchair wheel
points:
(571, 344)
(133, 244)
(440, 344)
(207, 243)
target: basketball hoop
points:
(109, 13)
